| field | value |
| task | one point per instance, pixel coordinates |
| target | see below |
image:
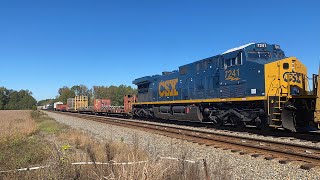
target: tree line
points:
(114, 93)
(11, 99)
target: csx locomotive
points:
(254, 84)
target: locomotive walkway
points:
(309, 156)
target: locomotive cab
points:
(244, 69)
(282, 81)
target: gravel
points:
(231, 165)
(290, 140)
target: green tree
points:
(10, 99)
(46, 101)
(26, 100)
(114, 93)
(80, 90)
(65, 93)
(3, 97)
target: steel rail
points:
(271, 149)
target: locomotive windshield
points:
(259, 55)
(143, 88)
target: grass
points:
(21, 142)
(21, 152)
(18, 145)
(40, 140)
(47, 124)
(16, 124)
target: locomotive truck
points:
(255, 84)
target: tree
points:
(65, 93)
(3, 97)
(80, 90)
(46, 101)
(26, 100)
(114, 93)
(10, 99)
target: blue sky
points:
(45, 45)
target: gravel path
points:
(234, 165)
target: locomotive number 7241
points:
(232, 75)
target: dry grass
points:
(16, 123)
(47, 142)
(99, 151)
(18, 145)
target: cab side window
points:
(239, 59)
(183, 70)
(236, 61)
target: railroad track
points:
(309, 156)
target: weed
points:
(48, 142)
(110, 153)
(22, 152)
(47, 124)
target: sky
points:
(45, 45)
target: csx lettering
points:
(168, 88)
(292, 77)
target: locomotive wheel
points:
(218, 123)
(241, 125)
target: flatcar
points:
(255, 84)
(79, 104)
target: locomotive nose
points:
(295, 76)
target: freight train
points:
(255, 84)
(100, 106)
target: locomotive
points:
(255, 84)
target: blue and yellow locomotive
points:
(254, 84)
